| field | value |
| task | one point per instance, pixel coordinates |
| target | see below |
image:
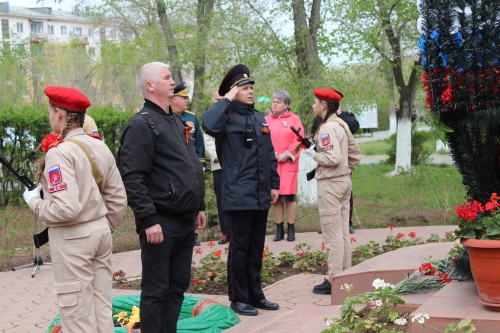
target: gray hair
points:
(148, 72)
(283, 96)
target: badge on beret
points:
(325, 139)
(55, 176)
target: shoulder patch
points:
(55, 176)
(58, 188)
(325, 139)
(326, 148)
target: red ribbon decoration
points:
(49, 141)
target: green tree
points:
(384, 31)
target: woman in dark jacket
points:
(250, 185)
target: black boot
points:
(280, 233)
(290, 232)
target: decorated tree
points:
(460, 47)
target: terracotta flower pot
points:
(484, 261)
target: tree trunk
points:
(406, 93)
(169, 38)
(203, 16)
(306, 49)
(403, 145)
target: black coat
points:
(244, 147)
(161, 172)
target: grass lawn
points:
(426, 196)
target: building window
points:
(50, 29)
(36, 27)
(77, 31)
(64, 30)
(91, 32)
(19, 27)
(113, 34)
(5, 29)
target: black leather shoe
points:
(264, 304)
(351, 229)
(324, 288)
(243, 309)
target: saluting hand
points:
(154, 234)
(201, 220)
(232, 93)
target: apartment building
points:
(23, 26)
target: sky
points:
(66, 5)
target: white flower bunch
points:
(420, 318)
(400, 321)
(379, 284)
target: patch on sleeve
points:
(58, 188)
(325, 139)
(55, 176)
(325, 148)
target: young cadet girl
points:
(337, 155)
(79, 212)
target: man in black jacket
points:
(165, 189)
(250, 185)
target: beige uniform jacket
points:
(337, 153)
(70, 193)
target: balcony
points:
(36, 37)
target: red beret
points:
(69, 99)
(328, 94)
(237, 76)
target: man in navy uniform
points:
(250, 185)
(179, 105)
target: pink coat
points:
(285, 140)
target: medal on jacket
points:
(187, 130)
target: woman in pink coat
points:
(287, 147)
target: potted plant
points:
(479, 231)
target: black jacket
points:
(249, 171)
(159, 167)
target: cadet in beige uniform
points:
(79, 217)
(337, 155)
(89, 126)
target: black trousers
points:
(166, 271)
(244, 261)
(223, 216)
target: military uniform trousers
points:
(333, 204)
(166, 271)
(81, 262)
(244, 261)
